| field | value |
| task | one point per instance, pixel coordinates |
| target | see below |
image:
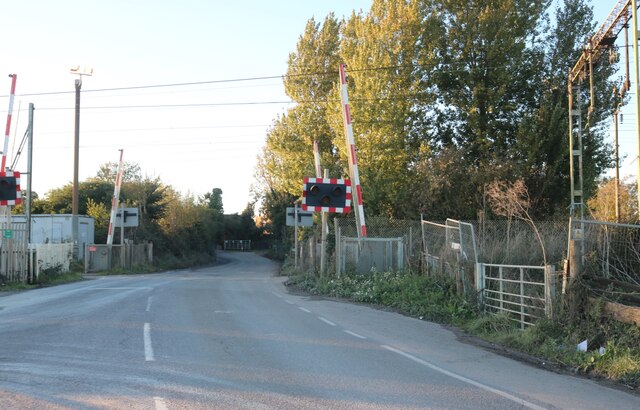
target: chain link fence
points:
(445, 244)
(515, 242)
(611, 258)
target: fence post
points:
(480, 281)
(312, 253)
(522, 313)
(550, 283)
(87, 255)
(400, 253)
(574, 293)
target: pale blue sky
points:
(150, 42)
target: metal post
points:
(122, 225)
(323, 241)
(295, 234)
(522, 314)
(28, 201)
(338, 248)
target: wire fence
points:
(612, 251)
(446, 244)
(515, 242)
(611, 258)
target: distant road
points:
(231, 336)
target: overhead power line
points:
(187, 84)
(246, 79)
(191, 105)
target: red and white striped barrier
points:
(7, 132)
(351, 150)
(115, 200)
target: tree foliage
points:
(178, 225)
(446, 98)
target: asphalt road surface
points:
(231, 336)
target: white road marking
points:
(148, 348)
(277, 295)
(149, 302)
(289, 302)
(327, 321)
(304, 309)
(160, 404)
(432, 366)
(121, 288)
(349, 332)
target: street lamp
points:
(79, 71)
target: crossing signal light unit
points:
(326, 195)
(10, 188)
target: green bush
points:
(431, 298)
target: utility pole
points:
(75, 198)
(636, 78)
(616, 111)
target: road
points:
(231, 336)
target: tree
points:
(446, 97)
(213, 200)
(542, 147)
(603, 204)
(288, 154)
(109, 171)
(512, 200)
(383, 50)
(101, 215)
(503, 99)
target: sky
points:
(627, 133)
(143, 53)
(196, 137)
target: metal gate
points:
(14, 252)
(450, 249)
(523, 293)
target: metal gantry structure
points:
(603, 41)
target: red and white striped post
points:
(12, 95)
(115, 201)
(351, 153)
